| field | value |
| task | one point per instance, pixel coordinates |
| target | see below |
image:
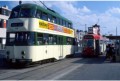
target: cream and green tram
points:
(35, 34)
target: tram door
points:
(97, 47)
(60, 41)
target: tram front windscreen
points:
(88, 43)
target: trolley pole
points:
(85, 28)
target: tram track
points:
(31, 71)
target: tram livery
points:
(35, 34)
(93, 45)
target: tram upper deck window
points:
(66, 24)
(49, 18)
(45, 16)
(58, 21)
(69, 25)
(54, 19)
(23, 12)
(38, 14)
(61, 22)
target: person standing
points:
(108, 51)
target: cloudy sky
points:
(104, 13)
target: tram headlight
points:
(23, 54)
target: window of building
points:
(0, 23)
(4, 12)
(0, 10)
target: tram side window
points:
(50, 39)
(45, 39)
(39, 38)
(49, 18)
(69, 41)
(69, 25)
(38, 14)
(66, 24)
(54, 19)
(54, 40)
(58, 21)
(58, 40)
(45, 16)
(63, 23)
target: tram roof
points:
(45, 10)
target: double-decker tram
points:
(93, 45)
(35, 34)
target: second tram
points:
(93, 45)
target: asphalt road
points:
(67, 69)
(95, 69)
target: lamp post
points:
(116, 30)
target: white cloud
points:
(83, 15)
(84, 9)
(114, 10)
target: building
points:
(4, 15)
(79, 37)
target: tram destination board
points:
(88, 37)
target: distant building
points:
(79, 36)
(4, 15)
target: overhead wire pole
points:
(85, 29)
(116, 31)
(116, 34)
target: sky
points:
(104, 13)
